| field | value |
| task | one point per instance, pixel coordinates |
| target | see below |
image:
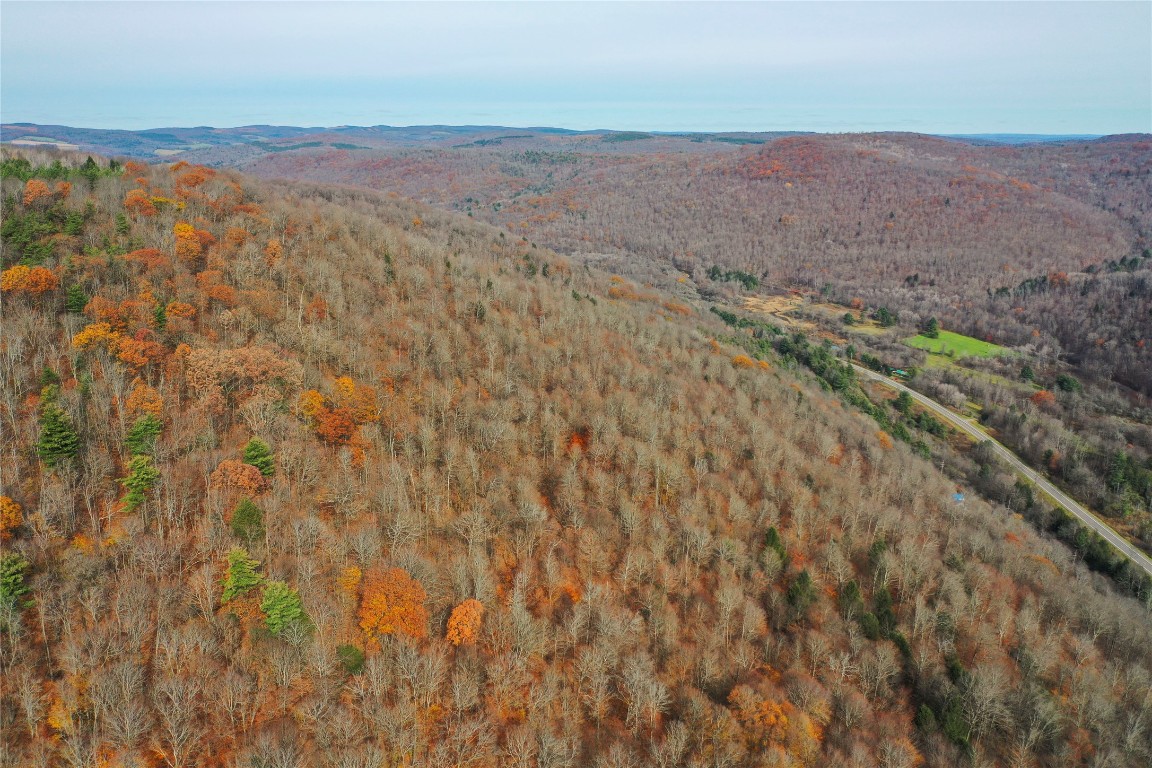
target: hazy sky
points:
(943, 67)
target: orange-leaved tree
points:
(11, 517)
(36, 189)
(464, 623)
(337, 421)
(137, 203)
(236, 475)
(360, 399)
(96, 333)
(144, 400)
(140, 350)
(32, 280)
(191, 242)
(273, 252)
(392, 602)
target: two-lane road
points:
(1083, 514)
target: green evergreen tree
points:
(870, 626)
(850, 599)
(160, 317)
(955, 724)
(141, 437)
(259, 454)
(241, 575)
(801, 594)
(926, 719)
(58, 438)
(772, 541)
(248, 521)
(932, 328)
(351, 657)
(876, 553)
(76, 300)
(281, 607)
(142, 475)
(901, 644)
(886, 317)
(884, 613)
(13, 572)
(90, 170)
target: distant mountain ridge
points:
(167, 141)
(1020, 138)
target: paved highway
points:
(1083, 514)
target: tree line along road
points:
(1084, 515)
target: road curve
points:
(1083, 514)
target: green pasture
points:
(956, 345)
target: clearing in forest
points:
(779, 308)
(956, 345)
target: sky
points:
(932, 66)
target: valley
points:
(576, 385)
(326, 472)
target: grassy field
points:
(956, 345)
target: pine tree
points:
(248, 521)
(932, 328)
(772, 541)
(801, 594)
(91, 171)
(141, 437)
(926, 720)
(259, 454)
(160, 317)
(281, 607)
(241, 575)
(76, 299)
(13, 571)
(351, 657)
(58, 438)
(142, 475)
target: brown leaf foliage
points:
(34, 190)
(232, 474)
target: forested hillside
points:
(1042, 244)
(305, 476)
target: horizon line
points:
(653, 131)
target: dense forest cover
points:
(1041, 245)
(304, 476)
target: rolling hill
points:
(1043, 244)
(308, 475)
